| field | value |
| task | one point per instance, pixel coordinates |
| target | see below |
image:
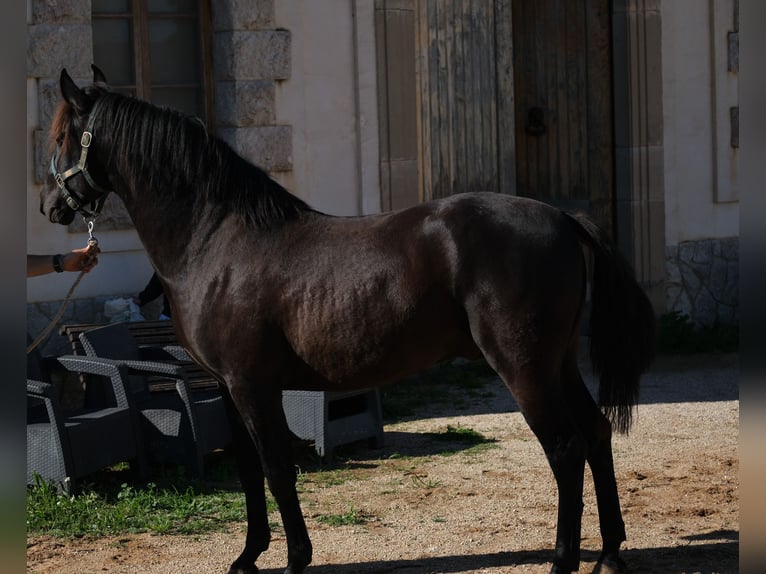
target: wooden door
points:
(465, 96)
(563, 104)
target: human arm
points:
(83, 259)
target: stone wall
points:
(703, 280)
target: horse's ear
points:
(98, 75)
(72, 94)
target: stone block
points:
(719, 277)
(252, 55)
(61, 11)
(709, 287)
(268, 147)
(730, 249)
(53, 47)
(41, 154)
(245, 104)
(243, 15)
(49, 97)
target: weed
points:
(352, 517)
(427, 483)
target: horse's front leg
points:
(260, 407)
(251, 478)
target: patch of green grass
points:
(352, 517)
(325, 478)
(130, 509)
(463, 435)
(463, 439)
(678, 335)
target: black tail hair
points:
(622, 324)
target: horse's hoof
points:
(243, 569)
(610, 565)
(295, 569)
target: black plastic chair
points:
(179, 426)
(66, 445)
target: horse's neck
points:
(171, 233)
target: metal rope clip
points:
(92, 241)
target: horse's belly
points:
(361, 353)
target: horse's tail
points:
(622, 325)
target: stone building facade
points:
(296, 88)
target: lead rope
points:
(92, 242)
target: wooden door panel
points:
(563, 95)
(465, 97)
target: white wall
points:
(330, 101)
(700, 167)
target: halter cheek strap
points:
(72, 200)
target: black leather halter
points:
(74, 201)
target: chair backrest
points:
(114, 341)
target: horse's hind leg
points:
(251, 477)
(598, 433)
(535, 387)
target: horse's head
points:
(77, 181)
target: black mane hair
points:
(172, 153)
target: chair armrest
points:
(178, 353)
(40, 389)
(90, 365)
(113, 370)
(155, 353)
(155, 368)
(177, 372)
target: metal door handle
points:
(535, 121)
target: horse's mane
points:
(163, 149)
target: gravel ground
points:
(492, 511)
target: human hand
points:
(83, 259)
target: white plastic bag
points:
(122, 309)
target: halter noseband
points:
(72, 199)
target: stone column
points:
(249, 56)
(60, 36)
(639, 162)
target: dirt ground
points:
(491, 511)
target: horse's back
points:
(518, 242)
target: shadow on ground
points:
(712, 558)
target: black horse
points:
(268, 294)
